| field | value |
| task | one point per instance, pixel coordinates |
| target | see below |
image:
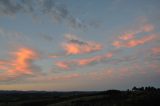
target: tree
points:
(134, 88)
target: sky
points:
(79, 45)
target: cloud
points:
(13, 36)
(66, 77)
(134, 42)
(101, 74)
(20, 65)
(110, 58)
(127, 39)
(76, 48)
(53, 56)
(83, 62)
(127, 36)
(156, 50)
(147, 27)
(75, 45)
(12, 7)
(96, 59)
(54, 78)
(62, 65)
(117, 43)
(6, 33)
(22, 62)
(35, 8)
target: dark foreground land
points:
(148, 96)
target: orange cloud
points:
(136, 42)
(62, 65)
(130, 35)
(127, 36)
(147, 27)
(117, 44)
(87, 61)
(133, 42)
(156, 50)
(65, 77)
(75, 45)
(53, 56)
(101, 74)
(20, 65)
(83, 62)
(76, 48)
(3, 66)
(53, 78)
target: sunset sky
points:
(73, 45)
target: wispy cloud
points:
(134, 42)
(20, 65)
(156, 50)
(128, 39)
(12, 35)
(64, 77)
(84, 62)
(131, 34)
(127, 36)
(35, 8)
(63, 65)
(101, 74)
(75, 45)
(147, 28)
(55, 78)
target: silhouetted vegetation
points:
(142, 96)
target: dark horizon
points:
(143, 96)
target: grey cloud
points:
(12, 7)
(50, 8)
(78, 42)
(74, 39)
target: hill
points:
(148, 96)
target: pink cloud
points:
(63, 65)
(101, 74)
(127, 36)
(156, 50)
(117, 44)
(53, 56)
(134, 42)
(54, 78)
(75, 48)
(147, 27)
(20, 65)
(130, 35)
(65, 77)
(137, 42)
(84, 61)
(75, 45)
